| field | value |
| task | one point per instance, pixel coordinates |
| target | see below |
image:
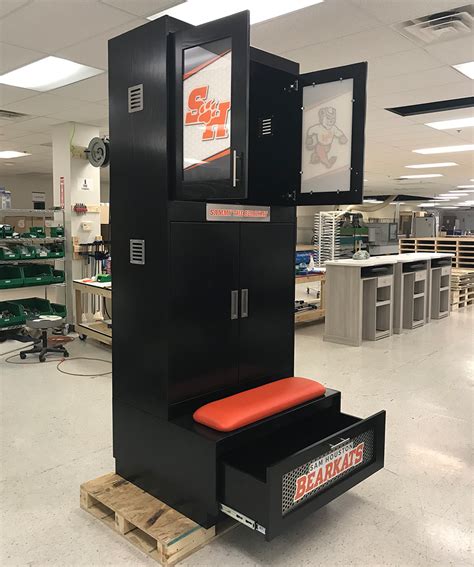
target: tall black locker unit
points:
(204, 240)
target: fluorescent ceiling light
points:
(448, 207)
(452, 124)
(427, 165)
(466, 69)
(198, 12)
(466, 186)
(47, 74)
(10, 154)
(372, 201)
(458, 193)
(445, 149)
(426, 205)
(421, 176)
(397, 203)
(448, 195)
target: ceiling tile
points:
(400, 64)
(8, 6)
(91, 90)
(42, 105)
(40, 124)
(311, 25)
(143, 7)
(93, 52)
(443, 92)
(13, 94)
(54, 25)
(89, 113)
(453, 52)
(350, 49)
(392, 11)
(32, 139)
(12, 57)
(425, 80)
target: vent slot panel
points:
(137, 252)
(265, 126)
(135, 98)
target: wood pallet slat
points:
(150, 525)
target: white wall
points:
(21, 187)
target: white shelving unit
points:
(57, 219)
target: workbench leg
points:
(78, 307)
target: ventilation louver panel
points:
(137, 252)
(135, 98)
(439, 27)
(265, 126)
(10, 115)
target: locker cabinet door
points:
(211, 109)
(333, 104)
(203, 344)
(267, 300)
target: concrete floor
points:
(56, 433)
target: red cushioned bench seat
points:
(252, 405)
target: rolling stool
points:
(41, 345)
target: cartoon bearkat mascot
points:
(320, 137)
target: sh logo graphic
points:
(212, 113)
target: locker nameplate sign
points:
(237, 213)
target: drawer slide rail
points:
(242, 519)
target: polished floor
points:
(56, 433)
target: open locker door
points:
(211, 109)
(333, 103)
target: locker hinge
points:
(242, 519)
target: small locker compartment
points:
(277, 480)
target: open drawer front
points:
(297, 469)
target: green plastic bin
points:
(37, 274)
(59, 309)
(11, 314)
(8, 253)
(57, 231)
(26, 252)
(11, 276)
(55, 250)
(58, 276)
(34, 306)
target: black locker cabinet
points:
(212, 134)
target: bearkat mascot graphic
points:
(320, 137)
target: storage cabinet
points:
(235, 322)
(440, 285)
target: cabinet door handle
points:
(234, 168)
(244, 303)
(234, 304)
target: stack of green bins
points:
(58, 276)
(7, 253)
(55, 250)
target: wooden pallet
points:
(162, 533)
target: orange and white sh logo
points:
(212, 113)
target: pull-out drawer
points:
(414, 266)
(300, 468)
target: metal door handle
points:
(244, 303)
(234, 168)
(334, 446)
(234, 304)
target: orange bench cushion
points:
(255, 404)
